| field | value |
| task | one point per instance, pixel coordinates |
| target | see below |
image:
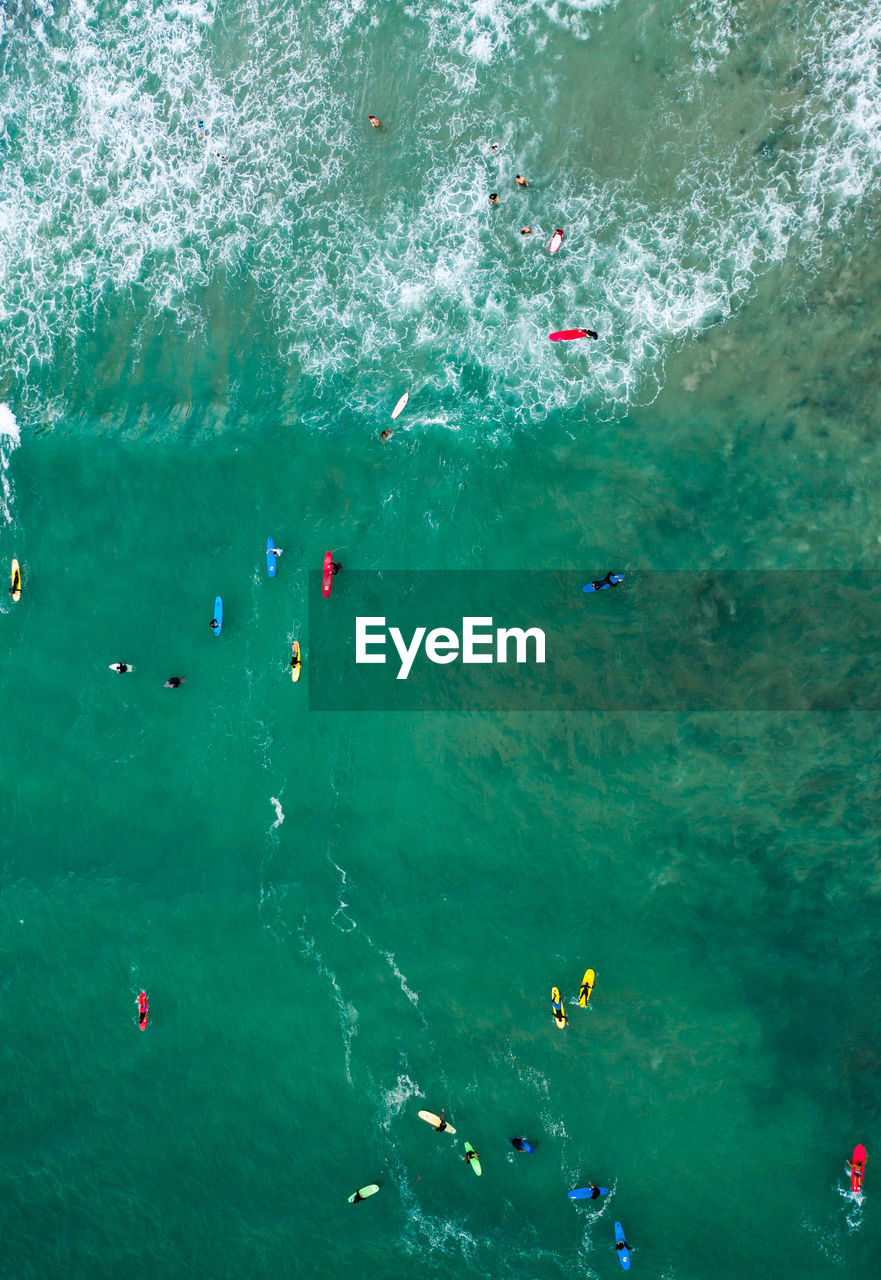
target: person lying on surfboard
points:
(443, 1124)
(610, 580)
(469, 1156)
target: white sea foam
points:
(348, 1014)
(9, 441)
(109, 191)
(396, 1098)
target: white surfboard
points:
(114, 666)
(399, 406)
(556, 241)
(430, 1118)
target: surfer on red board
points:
(857, 1168)
(143, 1011)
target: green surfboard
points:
(363, 1192)
(475, 1163)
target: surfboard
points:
(400, 405)
(616, 578)
(586, 987)
(857, 1168)
(475, 1163)
(557, 1006)
(524, 1145)
(370, 1190)
(430, 1118)
(585, 1193)
(217, 616)
(271, 559)
(327, 577)
(623, 1252)
(114, 666)
(15, 579)
(567, 335)
(556, 241)
(296, 662)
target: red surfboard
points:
(857, 1167)
(143, 1011)
(566, 335)
(327, 579)
(556, 241)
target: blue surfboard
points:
(217, 617)
(524, 1146)
(270, 557)
(585, 1193)
(614, 579)
(621, 1246)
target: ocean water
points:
(342, 918)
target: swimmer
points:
(386, 435)
(494, 147)
(213, 624)
(121, 667)
(521, 182)
(494, 199)
(526, 231)
(201, 128)
(174, 682)
(336, 567)
(373, 120)
(276, 551)
(219, 156)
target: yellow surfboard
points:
(296, 664)
(557, 1006)
(586, 987)
(15, 580)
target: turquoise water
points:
(342, 918)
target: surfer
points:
(121, 667)
(174, 682)
(373, 120)
(295, 658)
(591, 333)
(469, 1156)
(494, 199)
(526, 231)
(443, 1123)
(622, 1244)
(521, 182)
(595, 1192)
(610, 580)
(358, 1196)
